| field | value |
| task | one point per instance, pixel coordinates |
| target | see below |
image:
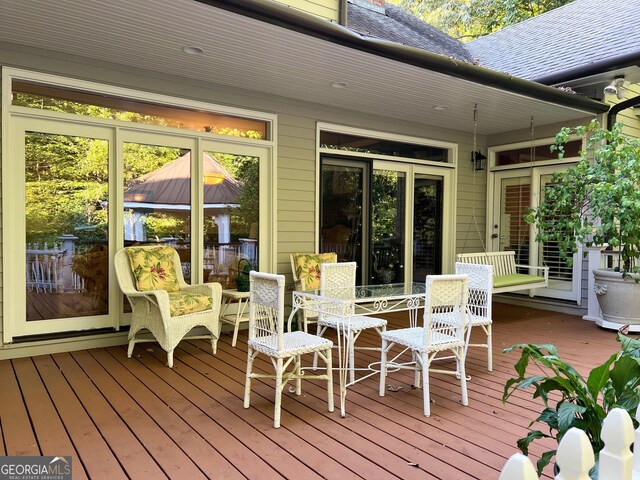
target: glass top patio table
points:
(343, 303)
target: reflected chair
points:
(338, 280)
(443, 330)
(162, 303)
(305, 268)
(267, 336)
(479, 303)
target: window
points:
(53, 98)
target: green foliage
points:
(598, 199)
(470, 19)
(569, 399)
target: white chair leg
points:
(298, 370)
(278, 399)
(130, 349)
(425, 385)
(328, 353)
(319, 332)
(416, 373)
(352, 357)
(247, 381)
(170, 358)
(463, 377)
(383, 367)
(489, 349)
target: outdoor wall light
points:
(479, 161)
(616, 87)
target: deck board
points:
(135, 418)
(53, 433)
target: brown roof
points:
(171, 184)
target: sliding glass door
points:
(394, 219)
(59, 244)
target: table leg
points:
(223, 310)
(242, 305)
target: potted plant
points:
(242, 277)
(569, 399)
(597, 201)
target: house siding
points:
(296, 143)
(329, 9)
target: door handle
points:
(495, 235)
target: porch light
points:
(213, 178)
(479, 161)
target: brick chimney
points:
(375, 5)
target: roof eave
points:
(289, 18)
(602, 66)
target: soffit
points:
(246, 53)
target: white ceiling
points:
(246, 53)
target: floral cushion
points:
(181, 303)
(153, 268)
(308, 267)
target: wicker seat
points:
(339, 279)
(152, 309)
(267, 336)
(443, 330)
(305, 268)
(479, 303)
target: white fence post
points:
(574, 456)
(636, 450)
(616, 460)
(518, 467)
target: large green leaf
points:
(566, 414)
(599, 376)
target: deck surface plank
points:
(83, 433)
(54, 430)
(149, 421)
(17, 430)
(134, 458)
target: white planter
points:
(619, 298)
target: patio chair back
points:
(266, 307)
(445, 308)
(340, 278)
(479, 305)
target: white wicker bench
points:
(505, 274)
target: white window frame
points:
(268, 180)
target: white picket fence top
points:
(575, 456)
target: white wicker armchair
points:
(151, 309)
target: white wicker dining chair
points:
(443, 330)
(339, 281)
(267, 336)
(479, 307)
(163, 313)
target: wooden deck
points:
(136, 418)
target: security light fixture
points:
(616, 87)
